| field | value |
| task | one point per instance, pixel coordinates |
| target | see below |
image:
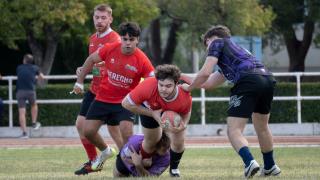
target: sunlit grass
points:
(202, 163)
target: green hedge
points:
(282, 111)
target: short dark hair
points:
(130, 28)
(103, 8)
(218, 30)
(167, 71)
(164, 141)
(28, 58)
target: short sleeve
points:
(139, 94)
(147, 67)
(103, 51)
(215, 48)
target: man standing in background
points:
(102, 19)
(27, 74)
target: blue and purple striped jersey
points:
(234, 60)
(159, 163)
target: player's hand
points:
(77, 88)
(156, 115)
(78, 71)
(147, 162)
(182, 126)
(185, 87)
(136, 157)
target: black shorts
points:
(252, 93)
(121, 167)
(111, 114)
(86, 102)
(26, 95)
(148, 122)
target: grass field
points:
(204, 163)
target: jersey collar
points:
(104, 33)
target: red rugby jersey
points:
(95, 43)
(147, 93)
(123, 72)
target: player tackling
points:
(149, 99)
(251, 96)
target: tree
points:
(289, 15)
(192, 18)
(44, 22)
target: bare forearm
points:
(86, 68)
(186, 78)
(137, 109)
(214, 80)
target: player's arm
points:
(215, 79)
(86, 69)
(203, 74)
(137, 162)
(128, 103)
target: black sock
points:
(246, 156)
(175, 159)
(268, 160)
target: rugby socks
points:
(175, 159)
(90, 149)
(268, 160)
(144, 154)
(246, 155)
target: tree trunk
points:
(43, 56)
(155, 41)
(297, 50)
(171, 42)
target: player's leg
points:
(116, 136)
(126, 129)
(34, 110)
(22, 113)
(88, 146)
(260, 121)
(176, 152)
(241, 106)
(152, 134)
(123, 119)
(97, 115)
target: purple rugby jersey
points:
(159, 163)
(234, 60)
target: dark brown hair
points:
(130, 28)
(167, 71)
(164, 141)
(218, 30)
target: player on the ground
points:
(125, 65)
(102, 18)
(251, 95)
(129, 161)
(149, 99)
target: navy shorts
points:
(252, 93)
(148, 122)
(110, 113)
(25, 95)
(121, 167)
(86, 102)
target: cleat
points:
(274, 171)
(252, 169)
(174, 172)
(24, 135)
(85, 169)
(36, 125)
(97, 164)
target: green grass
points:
(204, 163)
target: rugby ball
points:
(170, 119)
